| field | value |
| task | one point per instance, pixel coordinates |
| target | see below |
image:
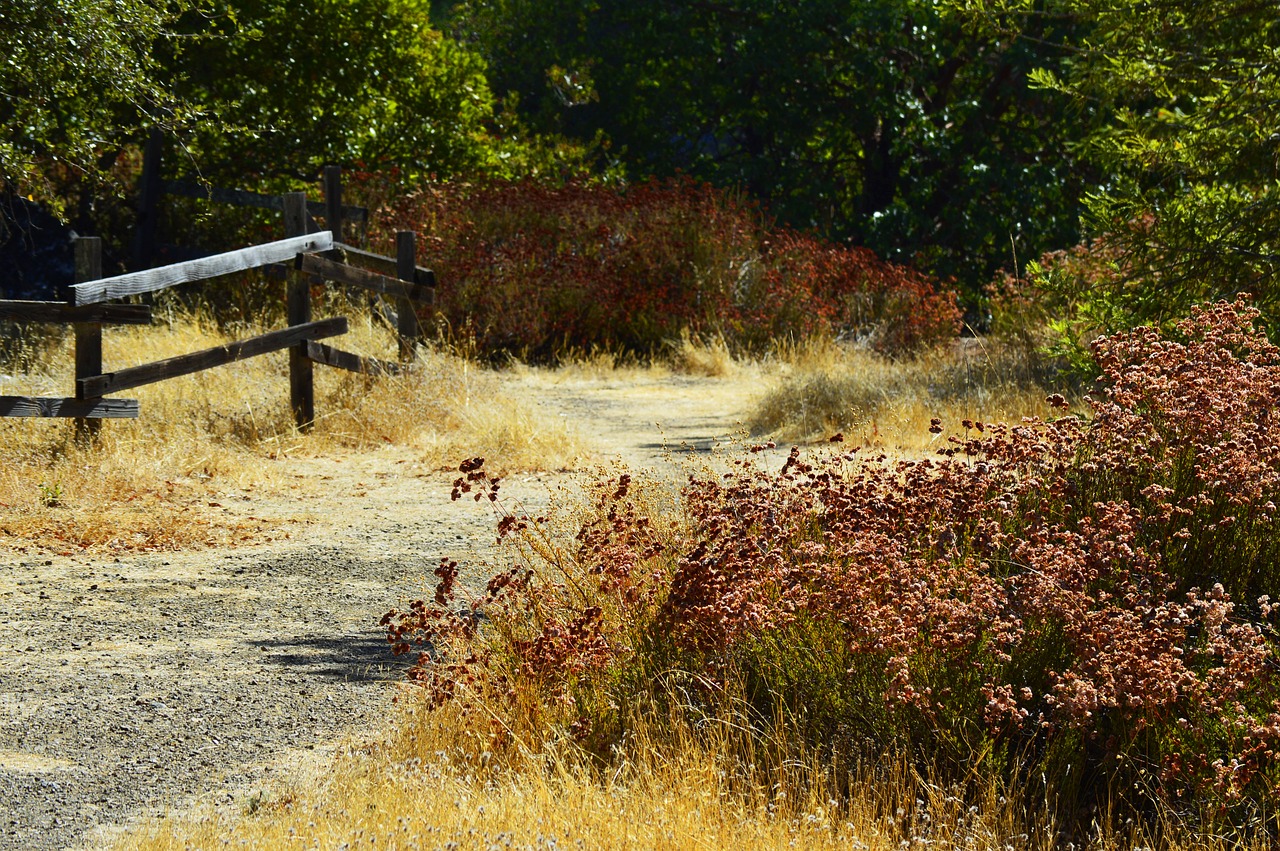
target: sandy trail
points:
(131, 684)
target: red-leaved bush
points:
(539, 270)
(1086, 599)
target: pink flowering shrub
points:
(1085, 598)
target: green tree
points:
(889, 123)
(78, 79)
(298, 85)
(1191, 96)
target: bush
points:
(1087, 600)
(538, 270)
(1068, 298)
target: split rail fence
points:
(308, 257)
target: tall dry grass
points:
(820, 387)
(147, 483)
(434, 782)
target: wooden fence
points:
(306, 256)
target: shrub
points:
(1085, 600)
(537, 270)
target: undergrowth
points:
(1078, 609)
(822, 387)
(536, 271)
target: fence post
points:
(406, 314)
(88, 263)
(302, 396)
(333, 201)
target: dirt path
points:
(128, 685)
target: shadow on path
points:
(347, 658)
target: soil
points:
(134, 685)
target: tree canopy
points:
(1190, 96)
(890, 123)
(76, 78)
(301, 85)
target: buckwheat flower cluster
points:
(1088, 594)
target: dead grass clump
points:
(826, 387)
(127, 495)
(709, 357)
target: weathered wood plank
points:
(136, 283)
(136, 376)
(59, 312)
(241, 198)
(383, 265)
(302, 391)
(406, 317)
(88, 260)
(44, 406)
(329, 356)
(357, 277)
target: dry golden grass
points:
(148, 483)
(706, 357)
(821, 388)
(433, 784)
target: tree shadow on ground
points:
(351, 658)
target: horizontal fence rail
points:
(36, 406)
(352, 276)
(150, 373)
(329, 356)
(163, 277)
(59, 312)
(377, 263)
(241, 198)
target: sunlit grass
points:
(146, 483)
(821, 388)
(436, 781)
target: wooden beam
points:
(136, 283)
(329, 356)
(59, 312)
(88, 260)
(353, 276)
(380, 264)
(241, 198)
(136, 376)
(302, 390)
(407, 328)
(43, 406)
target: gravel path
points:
(132, 685)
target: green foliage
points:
(1191, 94)
(301, 85)
(51, 495)
(890, 124)
(77, 79)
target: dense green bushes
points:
(538, 270)
(1084, 602)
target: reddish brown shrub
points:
(538, 270)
